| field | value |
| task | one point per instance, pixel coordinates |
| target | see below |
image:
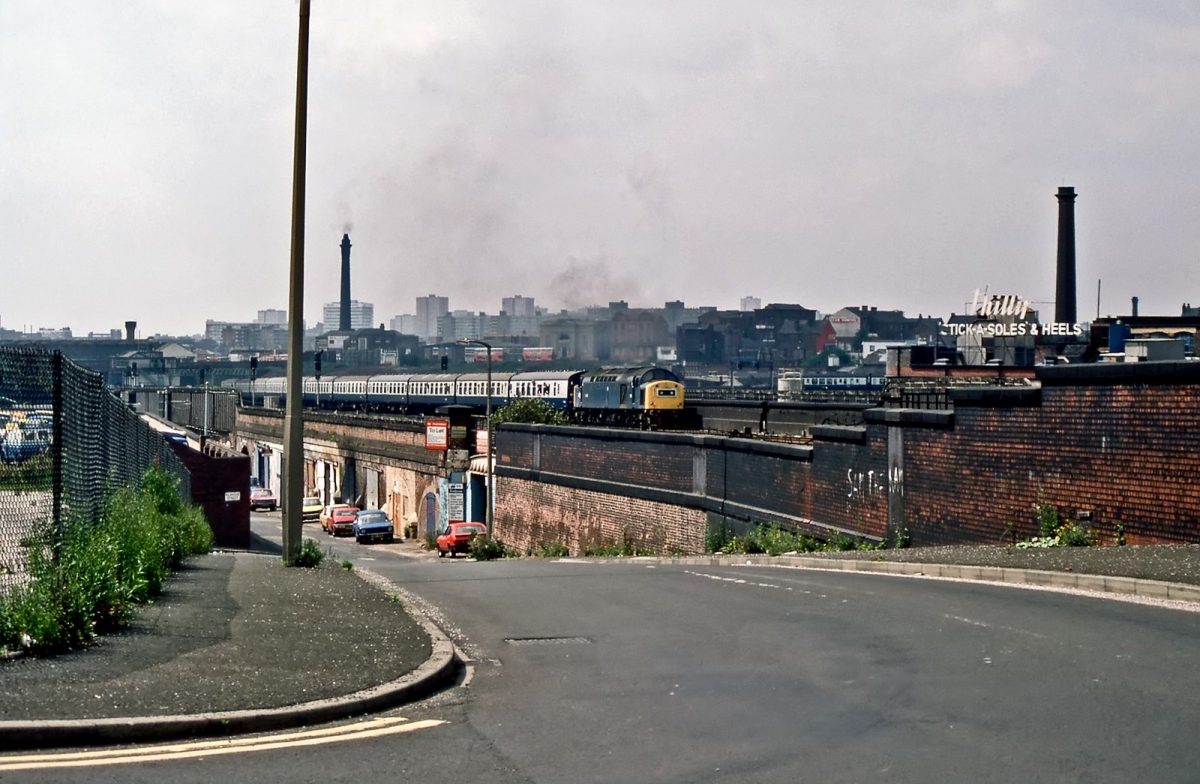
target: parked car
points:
(373, 525)
(338, 520)
(263, 498)
(456, 538)
(310, 511)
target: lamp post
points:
(487, 510)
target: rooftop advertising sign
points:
(1006, 315)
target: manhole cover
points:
(547, 640)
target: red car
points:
(456, 538)
(338, 520)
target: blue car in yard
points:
(373, 525)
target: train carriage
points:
(471, 389)
(555, 387)
(429, 391)
(349, 392)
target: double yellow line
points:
(368, 729)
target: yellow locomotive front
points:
(662, 395)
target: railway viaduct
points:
(1115, 446)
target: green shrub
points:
(717, 537)
(530, 410)
(1048, 522)
(89, 578)
(310, 555)
(615, 550)
(840, 542)
(488, 548)
(1072, 534)
(553, 550)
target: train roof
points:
(545, 375)
(639, 375)
(505, 376)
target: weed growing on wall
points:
(552, 550)
(772, 540)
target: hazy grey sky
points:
(822, 153)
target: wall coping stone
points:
(1117, 373)
(843, 433)
(910, 417)
(996, 396)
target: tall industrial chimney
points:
(344, 316)
(1064, 295)
(130, 330)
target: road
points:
(639, 672)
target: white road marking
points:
(367, 729)
(737, 581)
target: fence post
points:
(56, 449)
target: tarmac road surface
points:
(645, 672)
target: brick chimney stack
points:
(1064, 295)
(344, 315)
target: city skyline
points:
(811, 153)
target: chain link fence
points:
(66, 442)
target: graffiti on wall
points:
(864, 484)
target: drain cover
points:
(547, 640)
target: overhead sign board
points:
(437, 433)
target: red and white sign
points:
(437, 434)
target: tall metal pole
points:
(487, 509)
(293, 423)
(487, 515)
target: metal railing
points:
(66, 442)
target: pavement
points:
(237, 643)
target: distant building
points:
(370, 347)
(637, 335)
(749, 304)
(461, 325)
(166, 365)
(853, 325)
(779, 335)
(518, 306)
(583, 340)
(405, 324)
(243, 337)
(271, 316)
(429, 309)
(362, 314)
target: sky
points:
(897, 154)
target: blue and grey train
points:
(646, 396)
